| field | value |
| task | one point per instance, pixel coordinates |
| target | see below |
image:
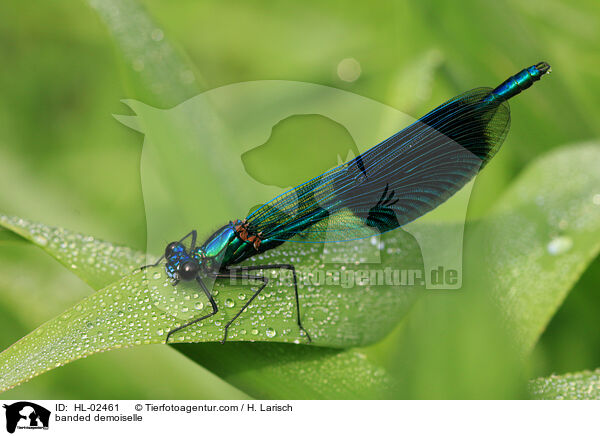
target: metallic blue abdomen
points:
(520, 81)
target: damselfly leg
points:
(241, 273)
(215, 309)
(232, 274)
(228, 275)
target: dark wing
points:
(395, 182)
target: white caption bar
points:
(308, 418)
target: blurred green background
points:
(65, 161)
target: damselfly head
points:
(174, 248)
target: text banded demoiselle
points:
(389, 185)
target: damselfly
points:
(388, 186)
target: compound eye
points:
(188, 270)
(170, 248)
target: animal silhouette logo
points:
(26, 415)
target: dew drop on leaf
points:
(40, 240)
(559, 245)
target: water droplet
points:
(157, 275)
(229, 302)
(319, 315)
(348, 70)
(199, 306)
(242, 296)
(254, 331)
(160, 332)
(559, 245)
(40, 240)
(270, 332)
(157, 35)
(596, 199)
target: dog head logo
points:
(26, 415)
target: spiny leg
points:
(279, 266)
(193, 234)
(215, 309)
(229, 275)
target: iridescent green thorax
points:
(239, 250)
(226, 247)
(215, 245)
(520, 81)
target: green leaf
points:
(540, 238)
(583, 385)
(96, 262)
(156, 69)
(142, 307)
(281, 371)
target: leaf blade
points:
(584, 385)
(123, 314)
(540, 238)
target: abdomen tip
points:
(543, 67)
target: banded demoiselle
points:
(388, 186)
